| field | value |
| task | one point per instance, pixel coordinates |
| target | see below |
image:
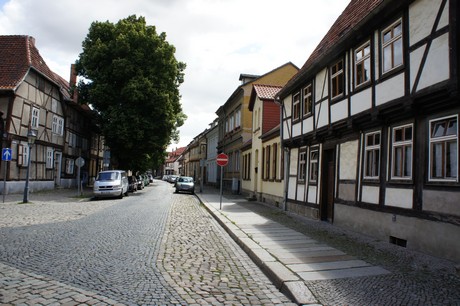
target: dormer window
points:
(337, 79)
(392, 47)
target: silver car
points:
(185, 183)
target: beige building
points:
(262, 158)
(235, 121)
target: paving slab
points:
(344, 264)
(342, 273)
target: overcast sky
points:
(217, 39)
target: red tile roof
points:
(18, 54)
(356, 12)
(266, 92)
(263, 92)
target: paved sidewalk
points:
(294, 260)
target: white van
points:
(111, 183)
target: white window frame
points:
(23, 155)
(296, 107)
(363, 56)
(302, 171)
(403, 144)
(395, 39)
(69, 166)
(35, 118)
(372, 149)
(238, 118)
(314, 166)
(58, 125)
(49, 158)
(307, 100)
(338, 79)
(442, 139)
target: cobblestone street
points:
(155, 247)
(151, 248)
(205, 266)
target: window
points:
(238, 118)
(313, 166)
(296, 107)
(302, 166)
(49, 158)
(307, 100)
(34, 120)
(372, 155)
(274, 160)
(402, 152)
(282, 163)
(363, 64)
(392, 47)
(69, 166)
(337, 79)
(267, 161)
(232, 123)
(443, 149)
(23, 155)
(58, 125)
(247, 166)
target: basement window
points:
(398, 241)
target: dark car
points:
(185, 183)
(140, 182)
(132, 183)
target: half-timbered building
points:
(371, 125)
(35, 99)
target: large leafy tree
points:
(131, 78)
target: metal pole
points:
(201, 174)
(78, 180)
(4, 179)
(221, 179)
(26, 187)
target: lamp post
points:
(31, 136)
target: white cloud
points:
(217, 39)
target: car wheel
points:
(121, 195)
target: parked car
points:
(111, 183)
(132, 183)
(146, 180)
(173, 178)
(185, 183)
(140, 182)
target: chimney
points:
(32, 40)
(73, 83)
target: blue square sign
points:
(6, 154)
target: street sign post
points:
(6, 156)
(222, 161)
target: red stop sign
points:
(222, 159)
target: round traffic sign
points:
(222, 159)
(80, 162)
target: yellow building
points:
(235, 120)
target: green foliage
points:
(132, 79)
